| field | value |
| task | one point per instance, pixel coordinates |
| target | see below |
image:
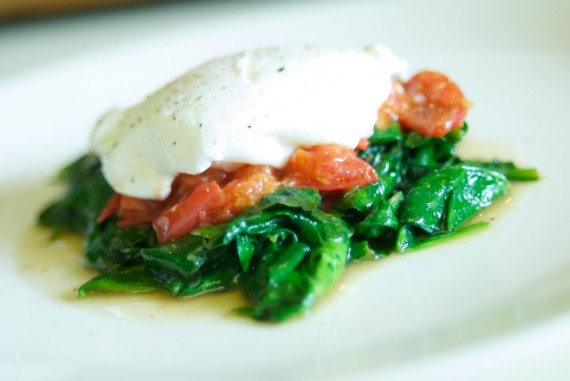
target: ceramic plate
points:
(493, 305)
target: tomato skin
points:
(429, 103)
(110, 209)
(328, 167)
(194, 211)
(136, 211)
(184, 184)
(130, 211)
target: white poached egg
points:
(254, 107)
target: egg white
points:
(254, 107)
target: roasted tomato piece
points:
(130, 211)
(429, 103)
(329, 167)
(110, 209)
(195, 210)
(250, 183)
(184, 184)
(136, 211)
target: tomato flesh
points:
(249, 185)
(192, 212)
(429, 103)
(329, 167)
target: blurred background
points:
(19, 10)
(37, 32)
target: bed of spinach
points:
(285, 252)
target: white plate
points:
(493, 305)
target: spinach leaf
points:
(215, 279)
(132, 279)
(509, 169)
(188, 266)
(408, 240)
(382, 218)
(289, 276)
(85, 196)
(386, 155)
(446, 198)
(362, 199)
(108, 246)
(294, 262)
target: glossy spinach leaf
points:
(131, 279)
(509, 169)
(446, 198)
(214, 279)
(291, 264)
(382, 218)
(410, 239)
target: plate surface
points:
(494, 305)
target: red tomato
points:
(363, 143)
(137, 211)
(184, 184)
(250, 183)
(429, 103)
(194, 211)
(130, 211)
(111, 208)
(330, 167)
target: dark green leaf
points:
(444, 199)
(437, 239)
(382, 218)
(132, 279)
(391, 134)
(184, 256)
(216, 279)
(108, 247)
(86, 194)
(509, 169)
(362, 199)
(289, 274)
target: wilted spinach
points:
(285, 252)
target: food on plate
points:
(270, 171)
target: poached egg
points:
(254, 107)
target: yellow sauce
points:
(56, 269)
